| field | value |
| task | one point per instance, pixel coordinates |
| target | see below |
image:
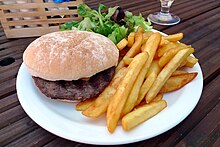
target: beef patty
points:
(77, 89)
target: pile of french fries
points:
(150, 68)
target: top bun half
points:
(70, 55)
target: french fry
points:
(136, 47)
(118, 100)
(174, 37)
(151, 47)
(154, 67)
(143, 102)
(140, 104)
(152, 43)
(167, 72)
(146, 86)
(158, 97)
(162, 50)
(122, 44)
(143, 46)
(127, 61)
(131, 39)
(85, 104)
(142, 114)
(182, 45)
(100, 105)
(167, 57)
(163, 41)
(133, 96)
(146, 36)
(178, 72)
(171, 45)
(120, 65)
(140, 29)
(183, 64)
(177, 82)
(191, 61)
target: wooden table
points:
(200, 22)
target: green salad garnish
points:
(113, 22)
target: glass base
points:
(164, 18)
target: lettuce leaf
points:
(101, 22)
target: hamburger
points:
(71, 65)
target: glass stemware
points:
(164, 17)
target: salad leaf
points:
(102, 22)
(111, 11)
(100, 7)
(85, 25)
(69, 25)
(136, 21)
(118, 34)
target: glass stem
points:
(165, 10)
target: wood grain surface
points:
(200, 23)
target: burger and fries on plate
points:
(150, 68)
(125, 81)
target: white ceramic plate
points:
(62, 119)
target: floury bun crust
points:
(70, 55)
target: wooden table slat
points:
(12, 115)
(11, 66)
(16, 130)
(38, 137)
(61, 142)
(7, 88)
(217, 143)
(195, 23)
(9, 74)
(8, 102)
(200, 23)
(201, 133)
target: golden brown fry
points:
(191, 61)
(140, 29)
(167, 72)
(177, 82)
(136, 47)
(146, 86)
(131, 39)
(143, 102)
(133, 96)
(182, 45)
(154, 67)
(158, 97)
(146, 36)
(163, 41)
(118, 100)
(174, 37)
(152, 43)
(122, 44)
(162, 50)
(142, 114)
(127, 61)
(151, 47)
(85, 104)
(183, 63)
(100, 105)
(167, 57)
(143, 47)
(140, 104)
(178, 72)
(120, 65)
